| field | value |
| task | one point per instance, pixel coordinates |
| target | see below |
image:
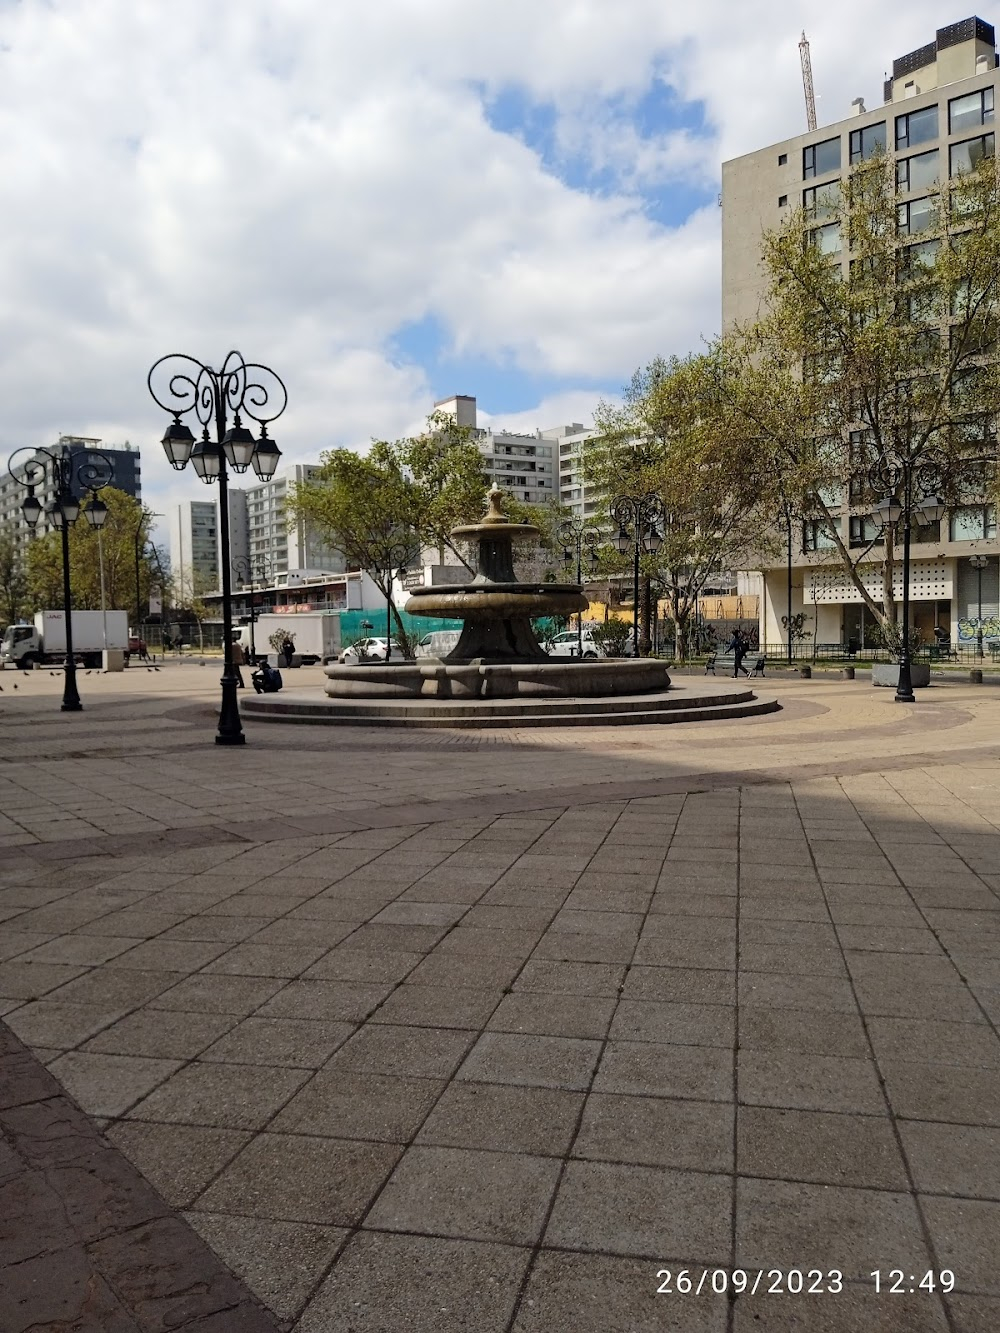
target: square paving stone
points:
(598, 1293)
(411, 913)
(361, 965)
(554, 1015)
(46, 1023)
(809, 1082)
(784, 1225)
(656, 1131)
(109, 1084)
(115, 988)
(951, 1159)
(779, 990)
(288, 931)
(685, 985)
(474, 1195)
(135, 922)
(297, 1178)
(974, 1314)
(337, 1001)
(85, 950)
(926, 1039)
(802, 1030)
(704, 1073)
(468, 941)
(959, 1095)
(586, 947)
(221, 928)
(385, 1283)
(438, 1006)
(340, 1104)
(170, 955)
(226, 1096)
(162, 1033)
(548, 977)
(642, 1211)
(279, 1261)
(410, 939)
(252, 959)
(177, 1160)
(30, 981)
(817, 1146)
(415, 1052)
(218, 995)
(542, 1062)
(296, 1042)
(677, 1024)
(503, 1118)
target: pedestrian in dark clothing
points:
(288, 649)
(738, 647)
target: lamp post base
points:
(901, 698)
(227, 738)
(230, 726)
(69, 706)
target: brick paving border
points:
(86, 1243)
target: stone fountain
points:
(498, 654)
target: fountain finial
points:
(494, 513)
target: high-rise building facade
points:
(271, 533)
(82, 450)
(522, 464)
(936, 121)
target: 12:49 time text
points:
(896, 1281)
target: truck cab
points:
(20, 646)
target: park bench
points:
(723, 664)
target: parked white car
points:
(370, 650)
(568, 644)
(438, 643)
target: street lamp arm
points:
(180, 384)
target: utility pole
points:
(807, 82)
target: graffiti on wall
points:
(968, 627)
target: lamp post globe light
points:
(62, 511)
(908, 487)
(219, 400)
(575, 536)
(251, 569)
(637, 517)
(979, 563)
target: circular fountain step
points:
(697, 702)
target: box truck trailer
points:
(44, 643)
(315, 636)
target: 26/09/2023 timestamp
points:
(897, 1282)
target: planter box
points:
(886, 674)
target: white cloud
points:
(303, 179)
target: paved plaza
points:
(365, 1031)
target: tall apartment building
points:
(269, 533)
(936, 120)
(195, 549)
(519, 463)
(126, 475)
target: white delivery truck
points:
(44, 643)
(315, 636)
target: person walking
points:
(288, 651)
(738, 647)
(239, 658)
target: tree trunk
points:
(645, 637)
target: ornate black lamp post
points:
(908, 486)
(637, 517)
(183, 385)
(575, 536)
(979, 563)
(251, 569)
(61, 512)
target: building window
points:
(917, 127)
(921, 255)
(918, 173)
(867, 142)
(915, 216)
(821, 201)
(782, 159)
(821, 158)
(816, 537)
(964, 113)
(974, 523)
(782, 200)
(827, 239)
(966, 156)
(865, 529)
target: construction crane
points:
(807, 82)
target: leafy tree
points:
(893, 351)
(613, 635)
(13, 582)
(118, 539)
(669, 439)
(366, 508)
